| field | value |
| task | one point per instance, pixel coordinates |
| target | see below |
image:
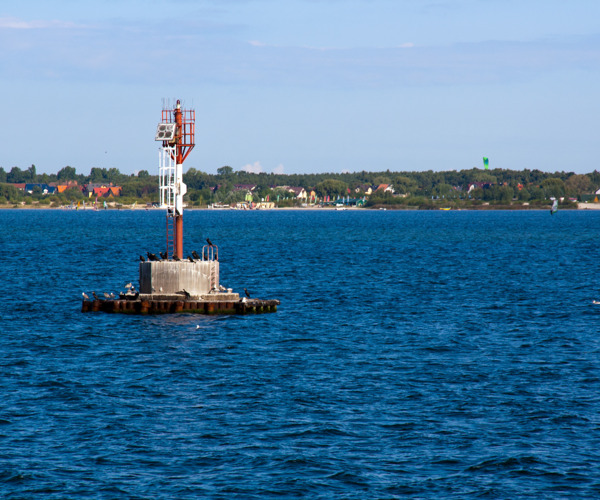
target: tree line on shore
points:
(421, 189)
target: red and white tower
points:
(176, 132)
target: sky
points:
(303, 86)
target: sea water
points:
(415, 354)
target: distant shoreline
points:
(580, 206)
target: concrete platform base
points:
(161, 304)
(169, 276)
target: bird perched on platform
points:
(164, 256)
(247, 293)
(106, 296)
(95, 296)
(190, 259)
(128, 285)
(195, 255)
(222, 288)
(142, 259)
(186, 293)
(85, 295)
(176, 257)
(152, 257)
(210, 244)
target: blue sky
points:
(301, 86)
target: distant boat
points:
(218, 206)
(444, 208)
(554, 208)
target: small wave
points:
(508, 464)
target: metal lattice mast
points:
(177, 133)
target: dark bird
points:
(209, 242)
(176, 257)
(142, 259)
(121, 295)
(190, 259)
(164, 255)
(195, 255)
(186, 293)
(85, 295)
(95, 296)
(247, 293)
(152, 256)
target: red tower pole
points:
(178, 250)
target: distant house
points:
(106, 192)
(479, 185)
(244, 187)
(299, 192)
(63, 186)
(364, 188)
(45, 188)
(101, 190)
(98, 192)
(386, 188)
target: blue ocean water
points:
(414, 355)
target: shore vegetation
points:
(464, 189)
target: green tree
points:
(577, 185)
(67, 174)
(30, 174)
(553, 187)
(404, 185)
(505, 194)
(98, 174)
(445, 191)
(225, 171)
(537, 193)
(11, 193)
(16, 175)
(331, 187)
(524, 195)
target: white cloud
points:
(18, 24)
(278, 169)
(254, 168)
